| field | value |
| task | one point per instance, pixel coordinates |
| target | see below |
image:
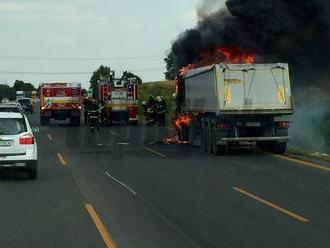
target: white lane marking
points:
(114, 133)
(124, 144)
(155, 152)
(121, 183)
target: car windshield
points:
(24, 101)
(12, 126)
(9, 109)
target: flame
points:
(234, 55)
(174, 139)
(228, 54)
(182, 120)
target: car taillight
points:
(223, 126)
(27, 139)
(283, 124)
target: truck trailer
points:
(235, 104)
(60, 101)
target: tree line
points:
(9, 92)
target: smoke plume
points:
(288, 31)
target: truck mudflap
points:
(223, 141)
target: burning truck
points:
(224, 105)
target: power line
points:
(44, 73)
(73, 73)
(12, 57)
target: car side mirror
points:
(35, 129)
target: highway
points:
(120, 188)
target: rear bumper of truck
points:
(60, 114)
(224, 141)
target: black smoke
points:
(297, 32)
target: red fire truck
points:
(121, 100)
(60, 101)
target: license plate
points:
(253, 124)
(6, 142)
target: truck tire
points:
(219, 150)
(183, 133)
(75, 121)
(262, 145)
(33, 171)
(279, 148)
(208, 140)
(203, 136)
(44, 121)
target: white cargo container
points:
(233, 104)
(239, 88)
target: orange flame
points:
(228, 54)
(173, 139)
(182, 120)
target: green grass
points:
(308, 154)
(160, 88)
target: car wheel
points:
(33, 171)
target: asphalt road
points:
(118, 188)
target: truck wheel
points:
(183, 133)
(208, 140)
(262, 145)
(203, 137)
(75, 121)
(44, 121)
(134, 123)
(217, 149)
(279, 148)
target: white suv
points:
(18, 147)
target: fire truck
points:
(60, 101)
(121, 99)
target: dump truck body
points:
(239, 89)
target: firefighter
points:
(151, 111)
(86, 104)
(144, 108)
(94, 116)
(161, 110)
(101, 109)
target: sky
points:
(79, 35)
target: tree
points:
(171, 70)
(128, 74)
(7, 92)
(96, 77)
(22, 86)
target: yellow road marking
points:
(61, 159)
(49, 137)
(100, 226)
(308, 164)
(155, 152)
(272, 205)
